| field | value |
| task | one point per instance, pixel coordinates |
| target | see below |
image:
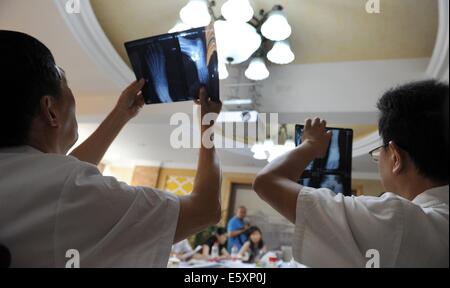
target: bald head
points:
(241, 212)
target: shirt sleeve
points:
(113, 224)
(234, 225)
(230, 226)
(337, 231)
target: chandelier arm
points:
(211, 5)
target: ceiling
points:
(322, 29)
(41, 19)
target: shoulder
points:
(246, 244)
(232, 222)
(210, 241)
(324, 195)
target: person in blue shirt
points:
(237, 229)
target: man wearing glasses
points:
(407, 226)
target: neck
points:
(44, 142)
(45, 148)
(411, 187)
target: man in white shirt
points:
(53, 206)
(182, 250)
(407, 227)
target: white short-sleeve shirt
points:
(337, 231)
(50, 204)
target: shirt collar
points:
(21, 149)
(433, 197)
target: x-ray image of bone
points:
(195, 49)
(333, 183)
(335, 156)
(156, 63)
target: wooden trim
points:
(230, 179)
(146, 176)
(359, 190)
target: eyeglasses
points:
(375, 153)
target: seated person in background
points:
(217, 243)
(407, 227)
(254, 247)
(237, 229)
(52, 202)
(182, 250)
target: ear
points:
(49, 111)
(397, 158)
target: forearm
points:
(291, 165)
(277, 183)
(208, 180)
(201, 208)
(94, 148)
(236, 233)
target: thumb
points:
(329, 134)
(203, 96)
(135, 87)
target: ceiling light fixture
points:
(180, 26)
(270, 150)
(237, 102)
(242, 34)
(257, 70)
(276, 27)
(238, 11)
(236, 41)
(281, 53)
(196, 13)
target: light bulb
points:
(269, 144)
(257, 70)
(196, 13)
(276, 27)
(223, 72)
(257, 147)
(259, 151)
(237, 10)
(179, 27)
(236, 41)
(281, 53)
(260, 155)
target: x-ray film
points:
(176, 65)
(335, 170)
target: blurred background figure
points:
(216, 245)
(237, 229)
(254, 248)
(182, 250)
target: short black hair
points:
(413, 117)
(28, 72)
(220, 231)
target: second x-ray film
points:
(176, 65)
(335, 170)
